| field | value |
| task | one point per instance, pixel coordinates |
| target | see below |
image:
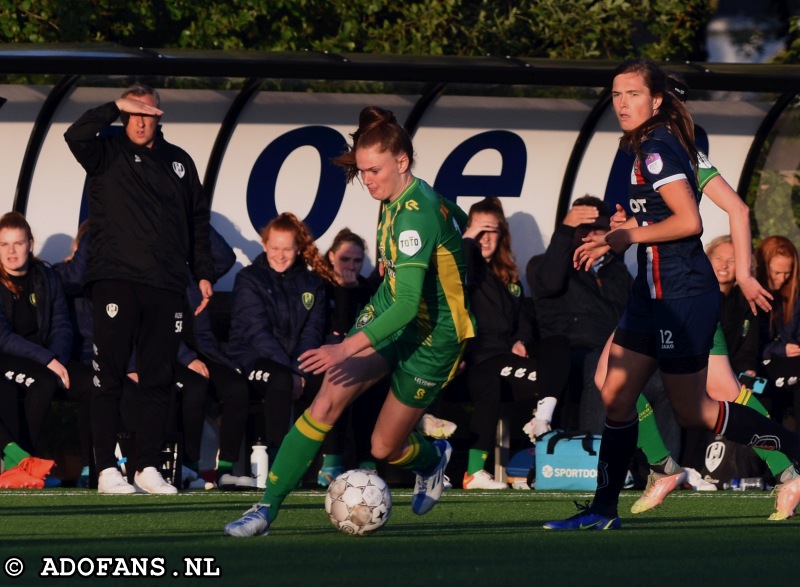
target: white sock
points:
(545, 408)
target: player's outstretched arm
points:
(724, 196)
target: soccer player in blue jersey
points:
(673, 310)
(414, 328)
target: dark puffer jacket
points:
(584, 306)
(52, 317)
(275, 315)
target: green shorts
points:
(413, 381)
(720, 347)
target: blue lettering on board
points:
(261, 207)
(452, 183)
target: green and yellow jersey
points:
(422, 299)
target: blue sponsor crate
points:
(567, 461)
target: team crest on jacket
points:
(514, 289)
(654, 163)
(111, 310)
(308, 300)
(367, 315)
(32, 299)
(179, 169)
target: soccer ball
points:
(358, 502)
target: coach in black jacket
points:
(149, 223)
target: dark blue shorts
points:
(678, 332)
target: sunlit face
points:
(779, 270)
(723, 263)
(382, 173)
(15, 250)
(347, 261)
(281, 250)
(488, 239)
(633, 103)
(142, 129)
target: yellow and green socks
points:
(476, 460)
(296, 454)
(649, 439)
(421, 455)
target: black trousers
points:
(27, 389)
(228, 387)
(132, 317)
(512, 378)
(782, 396)
(273, 382)
(80, 391)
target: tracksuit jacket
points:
(149, 212)
(585, 306)
(203, 339)
(502, 316)
(276, 316)
(52, 316)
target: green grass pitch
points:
(470, 538)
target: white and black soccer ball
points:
(358, 502)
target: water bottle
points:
(751, 484)
(745, 484)
(259, 464)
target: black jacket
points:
(52, 317)
(273, 316)
(73, 275)
(499, 310)
(775, 335)
(582, 305)
(741, 330)
(202, 333)
(148, 209)
(344, 305)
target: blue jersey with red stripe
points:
(673, 269)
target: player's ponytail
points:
(376, 126)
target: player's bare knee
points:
(384, 451)
(324, 408)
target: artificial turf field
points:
(470, 538)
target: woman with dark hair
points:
(414, 328)
(672, 314)
(35, 343)
(278, 312)
(505, 361)
(346, 298)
